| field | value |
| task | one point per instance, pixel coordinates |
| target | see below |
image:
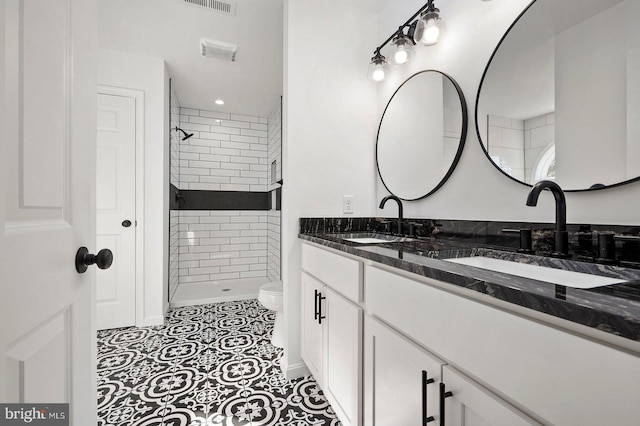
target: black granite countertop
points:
(613, 309)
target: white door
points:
(115, 204)
(472, 405)
(311, 345)
(401, 379)
(343, 366)
(47, 206)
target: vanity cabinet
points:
(332, 322)
(493, 361)
(401, 379)
(524, 369)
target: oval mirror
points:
(560, 97)
(421, 135)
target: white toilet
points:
(270, 296)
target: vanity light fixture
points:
(425, 30)
(219, 102)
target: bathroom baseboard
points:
(151, 321)
(296, 370)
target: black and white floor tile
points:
(209, 365)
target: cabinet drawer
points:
(563, 378)
(342, 274)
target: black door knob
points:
(103, 259)
(126, 223)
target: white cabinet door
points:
(47, 206)
(472, 405)
(401, 379)
(343, 351)
(311, 346)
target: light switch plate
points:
(347, 204)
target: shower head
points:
(186, 135)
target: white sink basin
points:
(540, 273)
(373, 238)
(367, 240)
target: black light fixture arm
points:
(410, 23)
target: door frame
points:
(138, 96)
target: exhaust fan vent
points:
(220, 6)
(218, 50)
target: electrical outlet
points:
(347, 204)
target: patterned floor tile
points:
(208, 365)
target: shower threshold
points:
(199, 293)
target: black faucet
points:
(561, 235)
(397, 200)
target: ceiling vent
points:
(224, 7)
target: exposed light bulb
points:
(431, 32)
(219, 102)
(401, 56)
(378, 74)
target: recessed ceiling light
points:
(219, 102)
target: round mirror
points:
(421, 135)
(560, 97)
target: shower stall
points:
(225, 204)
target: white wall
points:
(329, 124)
(149, 75)
(588, 54)
(476, 190)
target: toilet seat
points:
(272, 288)
(271, 296)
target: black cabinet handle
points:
(315, 304)
(103, 259)
(126, 223)
(443, 394)
(425, 381)
(320, 299)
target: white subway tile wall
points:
(539, 133)
(505, 141)
(452, 134)
(517, 145)
(228, 152)
(274, 137)
(174, 252)
(174, 178)
(222, 245)
(273, 242)
(175, 139)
